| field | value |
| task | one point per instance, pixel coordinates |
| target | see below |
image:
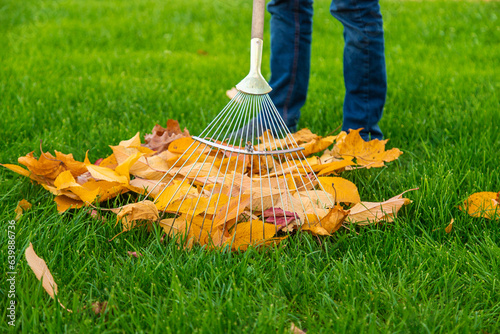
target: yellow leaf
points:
(42, 273)
(17, 169)
(230, 210)
(135, 141)
(317, 145)
(255, 232)
(22, 205)
(145, 210)
(190, 229)
(368, 154)
(106, 174)
(65, 181)
(65, 203)
(176, 190)
(123, 169)
(334, 167)
(342, 190)
(482, 204)
(109, 162)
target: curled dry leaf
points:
(365, 213)
(482, 204)
(328, 224)
(231, 93)
(134, 254)
(22, 205)
(99, 307)
(161, 137)
(296, 330)
(42, 273)
(279, 217)
(450, 226)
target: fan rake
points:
(244, 180)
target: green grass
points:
(82, 75)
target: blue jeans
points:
(364, 61)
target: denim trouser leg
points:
(364, 64)
(291, 30)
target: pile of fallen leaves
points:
(149, 168)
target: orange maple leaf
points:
(368, 154)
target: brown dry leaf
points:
(22, 205)
(134, 254)
(42, 273)
(296, 330)
(366, 213)
(231, 93)
(482, 204)
(145, 210)
(161, 137)
(99, 307)
(368, 154)
(450, 226)
(342, 190)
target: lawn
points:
(82, 75)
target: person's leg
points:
(291, 30)
(364, 65)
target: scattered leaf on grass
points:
(22, 206)
(99, 307)
(134, 254)
(231, 93)
(450, 226)
(482, 204)
(296, 330)
(42, 272)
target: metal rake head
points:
(244, 180)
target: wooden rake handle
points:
(259, 9)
